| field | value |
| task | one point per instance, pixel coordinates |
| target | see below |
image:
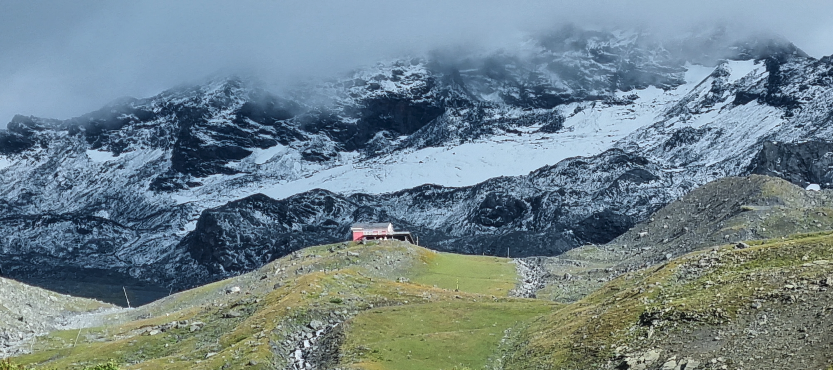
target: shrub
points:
(110, 365)
(9, 365)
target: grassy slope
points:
(728, 210)
(473, 274)
(443, 335)
(316, 283)
(698, 307)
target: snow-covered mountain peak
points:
(571, 138)
(218, 91)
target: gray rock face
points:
(486, 219)
(801, 163)
(248, 233)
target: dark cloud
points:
(60, 59)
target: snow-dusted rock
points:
(182, 187)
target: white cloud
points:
(62, 59)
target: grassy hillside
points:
(393, 292)
(474, 274)
(763, 307)
(436, 335)
(728, 210)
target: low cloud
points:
(62, 59)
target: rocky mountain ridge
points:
(731, 211)
(150, 188)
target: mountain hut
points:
(379, 231)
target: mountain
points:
(573, 138)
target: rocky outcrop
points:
(27, 312)
(801, 163)
(248, 233)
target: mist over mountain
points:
(63, 60)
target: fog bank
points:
(62, 59)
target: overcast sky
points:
(60, 59)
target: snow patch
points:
(5, 162)
(208, 193)
(813, 187)
(590, 128)
(695, 74)
(99, 156)
(183, 197)
(740, 69)
(187, 228)
(261, 156)
(463, 165)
